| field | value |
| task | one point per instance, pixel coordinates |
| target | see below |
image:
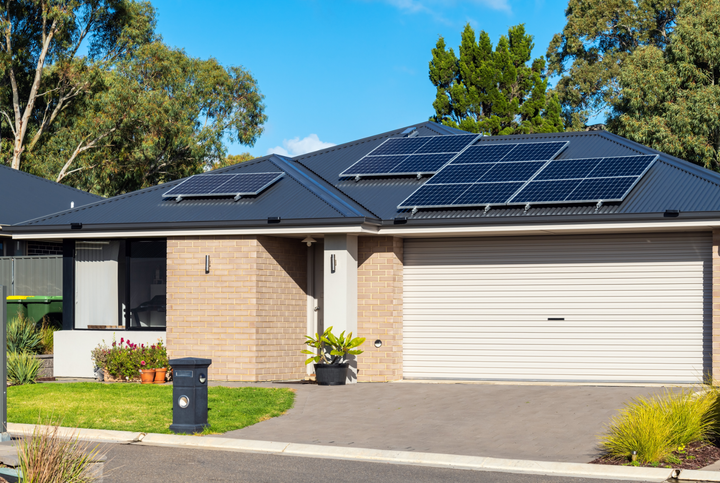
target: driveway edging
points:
(476, 463)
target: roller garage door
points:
(615, 308)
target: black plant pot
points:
(331, 374)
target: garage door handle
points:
(556, 318)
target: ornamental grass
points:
(46, 457)
(656, 426)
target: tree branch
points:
(80, 149)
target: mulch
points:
(697, 455)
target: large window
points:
(120, 283)
(146, 283)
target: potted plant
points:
(329, 356)
(161, 362)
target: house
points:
(29, 266)
(576, 256)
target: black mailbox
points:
(190, 394)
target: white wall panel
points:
(636, 308)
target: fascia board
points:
(365, 229)
(551, 229)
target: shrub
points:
(47, 335)
(23, 335)
(46, 457)
(656, 426)
(22, 368)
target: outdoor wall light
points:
(183, 402)
(309, 241)
(378, 343)
(202, 378)
(333, 263)
(207, 263)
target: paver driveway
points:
(546, 423)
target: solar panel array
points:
(410, 156)
(216, 185)
(509, 174)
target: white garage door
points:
(615, 308)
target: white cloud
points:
(297, 146)
(434, 7)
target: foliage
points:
(47, 457)
(659, 425)
(23, 335)
(124, 360)
(331, 349)
(493, 91)
(131, 114)
(140, 408)
(670, 98)
(232, 159)
(47, 335)
(22, 368)
(591, 51)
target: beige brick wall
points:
(247, 314)
(716, 308)
(380, 309)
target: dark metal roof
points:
(670, 184)
(24, 196)
(313, 193)
(292, 197)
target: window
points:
(120, 283)
(147, 260)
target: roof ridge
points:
(329, 196)
(338, 189)
(360, 141)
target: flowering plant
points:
(125, 359)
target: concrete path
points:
(525, 422)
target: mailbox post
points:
(190, 394)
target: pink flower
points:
(122, 340)
(142, 363)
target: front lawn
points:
(136, 407)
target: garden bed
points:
(141, 408)
(695, 456)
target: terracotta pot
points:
(160, 375)
(147, 376)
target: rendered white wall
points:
(73, 347)
(340, 287)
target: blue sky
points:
(335, 71)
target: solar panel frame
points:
(517, 197)
(498, 153)
(177, 191)
(651, 159)
(389, 150)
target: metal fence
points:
(38, 275)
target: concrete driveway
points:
(530, 422)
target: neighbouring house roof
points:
(313, 193)
(24, 196)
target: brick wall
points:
(247, 314)
(380, 315)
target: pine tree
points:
(493, 91)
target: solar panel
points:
(585, 180)
(499, 170)
(471, 180)
(207, 185)
(410, 156)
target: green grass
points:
(136, 407)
